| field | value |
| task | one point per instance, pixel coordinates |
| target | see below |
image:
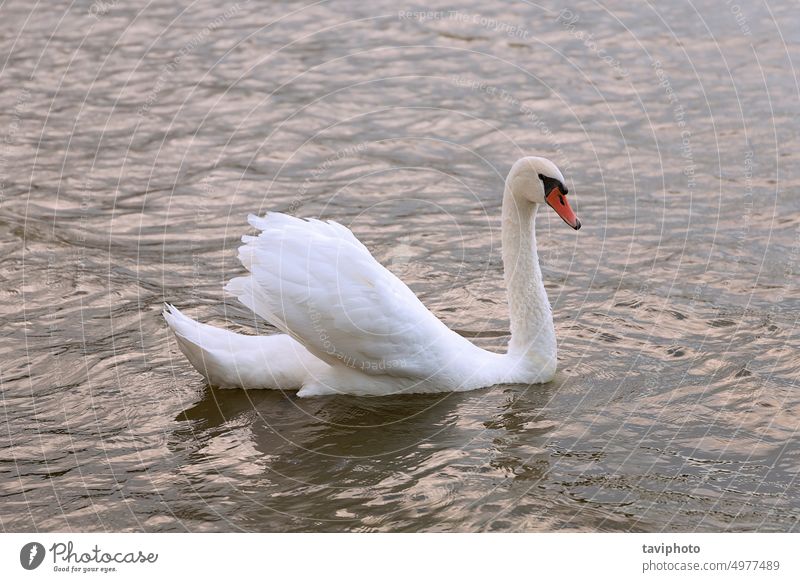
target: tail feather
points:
(231, 360)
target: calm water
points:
(133, 142)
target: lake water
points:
(134, 141)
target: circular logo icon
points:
(31, 555)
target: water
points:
(135, 141)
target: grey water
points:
(136, 137)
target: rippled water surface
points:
(135, 138)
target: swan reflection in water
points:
(391, 463)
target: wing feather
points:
(314, 280)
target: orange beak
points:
(558, 202)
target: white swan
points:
(351, 326)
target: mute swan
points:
(350, 326)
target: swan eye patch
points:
(550, 183)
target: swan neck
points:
(532, 331)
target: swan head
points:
(539, 181)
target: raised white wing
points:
(315, 281)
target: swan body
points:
(350, 326)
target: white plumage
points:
(351, 326)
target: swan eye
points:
(550, 183)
